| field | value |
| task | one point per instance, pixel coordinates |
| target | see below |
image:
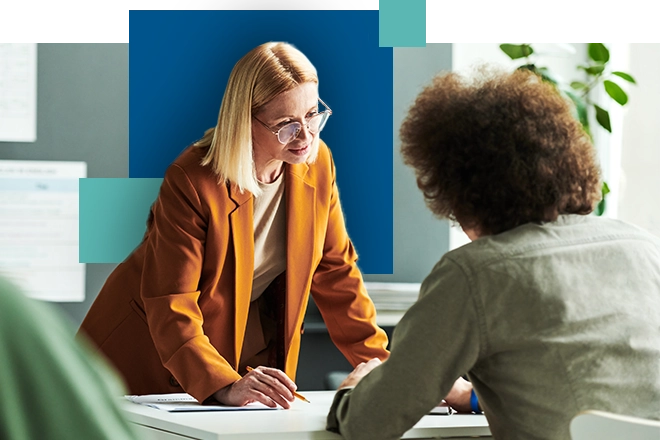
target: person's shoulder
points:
(190, 160)
(19, 312)
(11, 300)
(188, 168)
(495, 249)
(468, 256)
(566, 231)
(322, 161)
(596, 228)
(624, 229)
(324, 155)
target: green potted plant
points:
(597, 73)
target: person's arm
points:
(53, 386)
(170, 290)
(269, 386)
(339, 292)
(459, 397)
(437, 340)
(171, 283)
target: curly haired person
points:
(549, 311)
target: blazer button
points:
(173, 382)
(302, 328)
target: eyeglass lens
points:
(291, 131)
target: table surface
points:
(302, 421)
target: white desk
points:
(302, 421)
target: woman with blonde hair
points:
(246, 225)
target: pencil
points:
(298, 395)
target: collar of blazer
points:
(298, 170)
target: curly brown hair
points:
(499, 150)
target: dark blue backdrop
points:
(179, 63)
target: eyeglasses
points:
(291, 130)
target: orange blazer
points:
(173, 314)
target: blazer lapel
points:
(301, 223)
(242, 232)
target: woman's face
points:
(296, 104)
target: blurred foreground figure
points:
(52, 387)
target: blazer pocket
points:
(137, 309)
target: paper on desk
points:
(183, 402)
(442, 409)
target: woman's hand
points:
(269, 386)
(359, 372)
(459, 395)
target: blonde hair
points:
(262, 74)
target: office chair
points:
(592, 424)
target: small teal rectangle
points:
(113, 216)
(402, 23)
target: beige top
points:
(269, 262)
(269, 235)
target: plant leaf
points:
(605, 190)
(600, 208)
(577, 85)
(515, 51)
(580, 109)
(543, 72)
(599, 53)
(592, 70)
(615, 92)
(531, 67)
(603, 118)
(625, 76)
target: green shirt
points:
(51, 387)
(548, 320)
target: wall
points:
(640, 157)
(82, 115)
(420, 239)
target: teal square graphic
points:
(402, 23)
(113, 216)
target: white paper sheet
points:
(182, 402)
(18, 92)
(39, 228)
(442, 410)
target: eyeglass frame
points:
(306, 124)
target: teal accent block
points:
(402, 23)
(113, 217)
